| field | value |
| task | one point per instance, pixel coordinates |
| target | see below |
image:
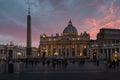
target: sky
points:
(52, 16)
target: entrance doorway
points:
(44, 54)
(10, 54)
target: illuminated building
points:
(11, 51)
(69, 43)
(107, 43)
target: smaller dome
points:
(70, 30)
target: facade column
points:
(107, 53)
(14, 54)
(119, 53)
(75, 50)
(111, 54)
(69, 51)
(58, 49)
(61, 50)
(65, 51)
(47, 50)
(97, 55)
(51, 50)
(104, 52)
(80, 47)
(91, 53)
(78, 50)
(40, 52)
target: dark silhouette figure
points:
(114, 64)
(53, 63)
(97, 62)
(117, 63)
(43, 63)
(36, 62)
(26, 61)
(32, 63)
(48, 63)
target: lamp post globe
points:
(19, 54)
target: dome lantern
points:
(70, 23)
(70, 30)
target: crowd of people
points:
(54, 63)
(62, 63)
(114, 64)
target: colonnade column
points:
(69, 51)
(111, 54)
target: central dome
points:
(70, 30)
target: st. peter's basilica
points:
(69, 43)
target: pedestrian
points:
(117, 63)
(97, 62)
(43, 63)
(114, 64)
(26, 61)
(53, 64)
(48, 63)
(32, 62)
(36, 62)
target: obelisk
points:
(28, 46)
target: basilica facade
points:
(68, 44)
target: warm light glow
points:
(54, 39)
(81, 54)
(84, 46)
(94, 50)
(44, 36)
(73, 38)
(43, 48)
(115, 56)
(56, 53)
(73, 46)
(38, 54)
(19, 53)
(49, 39)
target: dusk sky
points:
(52, 16)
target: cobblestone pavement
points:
(74, 71)
(87, 67)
